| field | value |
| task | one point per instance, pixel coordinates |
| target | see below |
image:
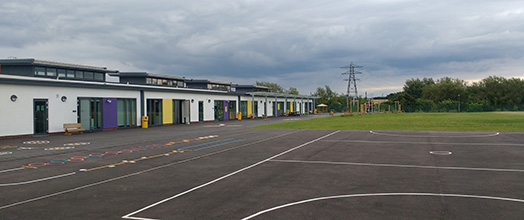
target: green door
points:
(41, 120)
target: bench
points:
(296, 113)
(73, 128)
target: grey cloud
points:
(293, 43)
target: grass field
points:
(484, 121)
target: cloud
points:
(293, 43)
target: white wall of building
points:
(17, 117)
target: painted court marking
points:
(130, 215)
(143, 171)
(423, 143)
(14, 169)
(443, 153)
(400, 166)
(447, 136)
(37, 180)
(382, 194)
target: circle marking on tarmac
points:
(435, 136)
(381, 194)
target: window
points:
(170, 83)
(61, 73)
(70, 74)
(154, 81)
(39, 71)
(164, 82)
(51, 72)
(180, 84)
(148, 80)
(79, 74)
(99, 76)
(88, 75)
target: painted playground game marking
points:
(442, 153)
(136, 173)
(399, 165)
(58, 162)
(37, 142)
(381, 194)
(62, 161)
(435, 136)
(130, 215)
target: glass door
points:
(41, 125)
(90, 113)
(154, 111)
(200, 111)
(177, 112)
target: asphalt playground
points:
(226, 170)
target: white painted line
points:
(424, 143)
(440, 153)
(128, 216)
(140, 172)
(382, 194)
(14, 169)
(38, 180)
(400, 166)
(423, 136)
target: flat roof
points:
(35, 62)
(195, 81)
(146, 74)
(251, 86)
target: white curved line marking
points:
(130, 215)
(435, 136)
(381, 194)
(38, 180)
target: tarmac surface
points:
(225, 170)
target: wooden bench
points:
(73, 128)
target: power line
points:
(352, 82)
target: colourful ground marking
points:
(36, 165)
(8, 147)
(59, 148)
(36, 142)
(77, 144)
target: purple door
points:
(226, 110)
(109, 113)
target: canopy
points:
(322, 105)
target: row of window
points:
(72, 74)
(218, 87)
(164, 82)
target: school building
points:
(38, 97)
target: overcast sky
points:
(297, 44)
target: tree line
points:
(493, 93)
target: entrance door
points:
(41, 120)
(219, 110)
(154, 111)
(177, 112)
(90, 113)
(200, 111)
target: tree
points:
(293, 91)
(445, 89)
(273, 87)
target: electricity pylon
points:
(352, 83)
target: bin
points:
(145, 122)
(239, 116)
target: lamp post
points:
(459, 103)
